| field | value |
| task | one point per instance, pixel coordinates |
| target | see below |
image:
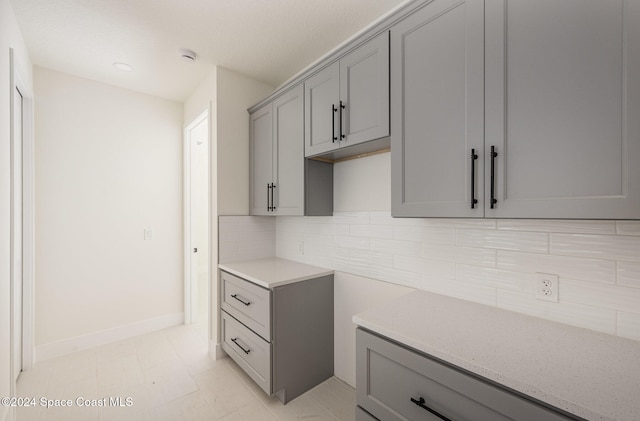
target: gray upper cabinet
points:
(551, 87)
(437, 108)
(347, 103)
(277, 160)
(282, 181)
(563, 107)
(261, 138)
(322, 93)
(288, 177)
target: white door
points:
(197, 215)
(16, 232)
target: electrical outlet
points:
(547, 287)
(301, 248)
(148, 234)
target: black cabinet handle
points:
(333, 123)
(268, 196)
(342, 107)
(421, 403)
(474, 156)
(273, 188)
(235, 341)
(494, 154)
(241, 300)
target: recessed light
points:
(123, 67)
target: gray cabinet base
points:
(362, 415)
(302, 336)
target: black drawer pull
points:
(235, 341)
(333, 123)
(342, 135)
(421, 403)
(273, 188)
(268, 196)
(474, 156)
(493, 199)
(241, 300)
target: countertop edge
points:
(517, 385)
(311, 273)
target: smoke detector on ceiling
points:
(187, 55)
(123, 67)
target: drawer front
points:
(395, 383)
(362, 415)
(250, 351)
(248, 303)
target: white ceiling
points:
(269, 40)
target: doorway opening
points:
(197, 215)
(21, 224)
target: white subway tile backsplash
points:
(431, 268)
(371, 231)
(613, 297)
(431, 235)
(614, 247)
(381, 218)
(465, 291)
(628, 227)
(497, 278)
(350, 218)
(534, 242)
(629, 274)
(246, 238)
(351, 242)
(409, 279)
(594, 318)
(468, 255)
(482, 260)
(560, 226)
(585, 269)
(629, 325)
(460, 223)
(391, 247)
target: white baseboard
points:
(8, 413)
(92, 340)
(217, 351)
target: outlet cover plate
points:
(547, 286)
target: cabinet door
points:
(562, 107)
(364, 92)
(322, 92)
(437, 64)
(288, 135)
(261, 164)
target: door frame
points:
(17, 82)
(189, 317)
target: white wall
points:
(108, 165)
(10, 37)
(484, 260)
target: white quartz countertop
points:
(274, 272)
(589, 374)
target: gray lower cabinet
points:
(281, 337)
(396, 383)
(517, 109)
(282, 181)
(347, 103)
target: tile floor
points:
(169, 376)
